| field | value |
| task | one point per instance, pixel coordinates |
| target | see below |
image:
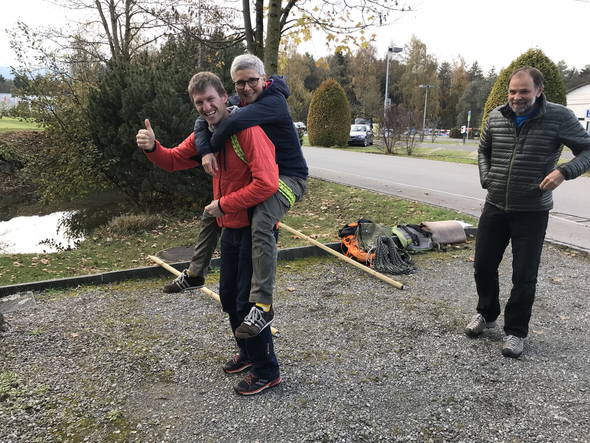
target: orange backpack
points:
(350, 245)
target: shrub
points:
(328, 121)
(455, 133)
(554, 85)
(132, 224)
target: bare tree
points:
(345, 21)
(397, 127)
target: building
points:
(578, 100)
(7, 101)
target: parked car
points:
(300, 129)
(360, 135)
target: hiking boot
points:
(251, 384)
(477, 325)
(236, 364)
(184, 282)
(513, 346)
(255, 322)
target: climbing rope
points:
(388, 258)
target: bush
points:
(328, 121)
(554, 85)
(455, 133)
(132, 224)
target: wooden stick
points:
(368, 270)
(204, 290)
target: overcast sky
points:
(493, 32)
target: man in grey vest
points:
(518, 154)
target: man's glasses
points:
(252, 82)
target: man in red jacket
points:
(248, 175)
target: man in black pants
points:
(518, 152)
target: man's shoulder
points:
(557, 108)
(246, 136)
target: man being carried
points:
(248, 175)
(264, 103)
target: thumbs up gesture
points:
(145, 137)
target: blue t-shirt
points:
(520, 119)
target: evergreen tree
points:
(475, 72)
(339, 70)
(447, 111)
(554, 85)
(328, 121)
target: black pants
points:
(234, 292)
(526, 231)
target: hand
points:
(209, 162)
(552, 181)
(213, 209)
(145, 137)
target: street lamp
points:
(426, 87)
(391, 50)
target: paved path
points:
(450, 185)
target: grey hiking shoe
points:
(477, 325)
(184, 282)
(254, 323)
(513, 346)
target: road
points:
(450, 185)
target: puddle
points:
(22, 235)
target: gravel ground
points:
(361, 361)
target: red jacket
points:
(238, 186)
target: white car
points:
(360, 135)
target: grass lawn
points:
(325, 208)
(14, 124)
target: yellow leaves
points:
(342, 48)
(330, 37)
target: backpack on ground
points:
(414, 238)
(373, 245)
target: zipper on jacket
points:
(516, 142)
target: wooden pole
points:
(368, 270)
(204, 290)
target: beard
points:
(522, 107)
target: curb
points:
(147, 272)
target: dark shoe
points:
(184, 282)
(251, 384)
(236, 364)
(477, 325)
(513, 346)
(255, 322)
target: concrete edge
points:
(147, 272)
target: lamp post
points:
(426, 87)
(391, 50)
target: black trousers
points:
(526, 231)
(234, 292)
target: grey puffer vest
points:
(513, 161)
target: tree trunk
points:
(273, 37)
(258, 49)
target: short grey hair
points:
(246, 61)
